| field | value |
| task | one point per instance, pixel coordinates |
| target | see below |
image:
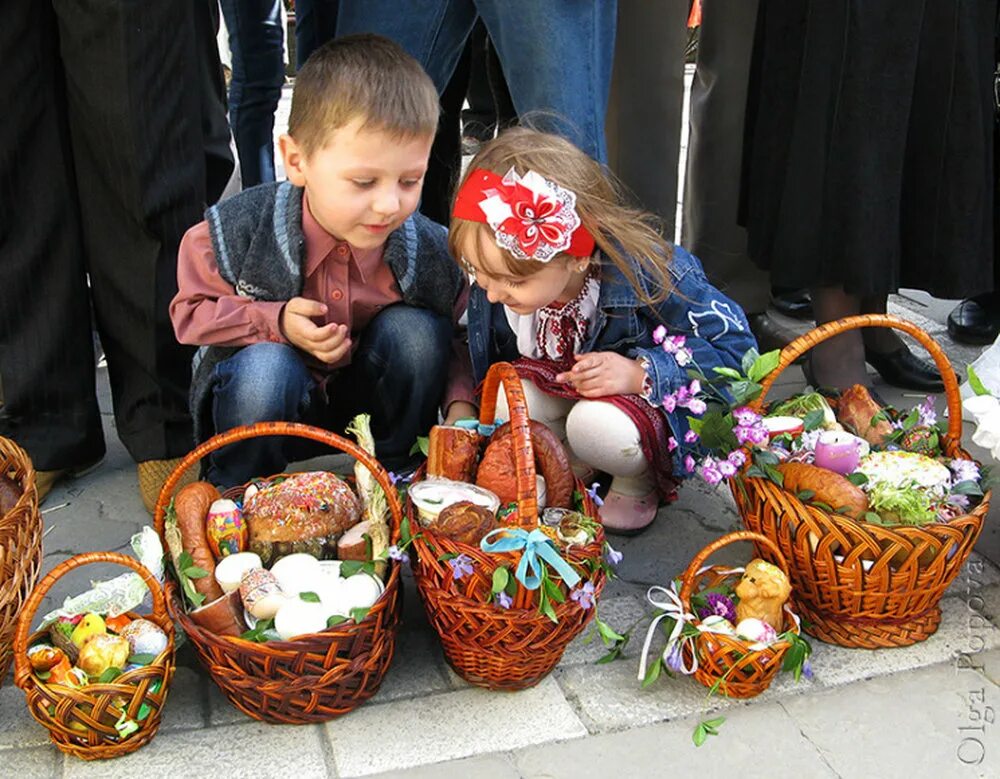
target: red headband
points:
(532, 218)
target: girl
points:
(570, 285)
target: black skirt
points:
(868, 159)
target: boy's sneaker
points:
(46, 480)
(153, 474)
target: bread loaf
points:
(497, 470)
(452, 453)
(465, 522)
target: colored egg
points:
(145, 637)
(229, 572)
(226, 529)
(261, 594)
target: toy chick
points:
(762, 591)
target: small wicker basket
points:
(20, 546)
(81, 721)
(722, 659)
(312, 678)
(859, 584)
(501, 649)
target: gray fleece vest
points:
(260, 250)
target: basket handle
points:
(729, 538)
(502, 374)
(20, 647)
(824, 332)
(259, 429)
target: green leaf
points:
(744, 391)
(730, 373)
(545, 607)
(775, 475)
(824, 506)
(967, 487)
(763, 365)
(764, 457)
(871, 516)
(140, 659)
(358, 614)
(194, 572)
(334, 620)
(699, 735)
(653, 672)
(911, 419)
(109, 675)
(309, 597)
(813, 420)
(858, 479)
(404, 532)
(751, 356)
(422, 445)
(500, 578)
(755, 472)
(805, 495)
(185, 560)
(695, 423)
(350, 567)
(975, 382)
(608, 634)
(553, 591)
(714, 723)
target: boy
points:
(326, 295)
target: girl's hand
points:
(599, 374)
(328, 343)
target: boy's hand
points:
(599, 374)
(327, 344)
(460, 409)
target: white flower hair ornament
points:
(531, 217)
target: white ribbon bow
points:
(671, 606)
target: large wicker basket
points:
(20, 546)
(859, 584)
(81, 721)
(312, 678)
(722, 659)
(501, 649)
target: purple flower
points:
(690, 437)
(671, 444)
(689, 464)
(673, 343)
(393, 478)
(719, 605)
(669, 403)
(745, 416)
(395, 553)
(754, 434)
(674, 658)
(926, 412)
(959, 501)
(694, 387)
(612, 555)
(592, 492)
(659, 334)
(964, 470)
(697, 406)
(460, 566)
(503, 600)
(683, 357)
(807, 669)
(737, 457)
(726, 468)
(710, 472)
(584, 595)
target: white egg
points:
(297, 617)
(714, 623)
(756, 630)
(359, 591)
(229, 571)
(297, 573)
(330, 568)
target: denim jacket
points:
(715, 327)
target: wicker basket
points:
(312, 678)
(20, 546)
(501, 649)
(859, 584)
(81, 721)
(725, 659)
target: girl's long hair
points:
(628, 236)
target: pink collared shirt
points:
(355, 284)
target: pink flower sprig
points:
(673, 344)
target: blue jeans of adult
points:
(256, 39)
(397, 374)
(556, 56)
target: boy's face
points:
(363, 183)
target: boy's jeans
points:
(397, 374)
(557, 56)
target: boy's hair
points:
(364, 76)
(626, 235)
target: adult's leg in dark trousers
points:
(715, 151)
(315, 24)
(479, 120)
(46, 352)
(135, 114)
(647, 96)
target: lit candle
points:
(838, 451)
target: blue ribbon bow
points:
(535, 545)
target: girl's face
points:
(561, 279)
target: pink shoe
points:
(627, 515)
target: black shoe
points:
(902, 368)
(976, 320)
(796, 303)
(769, 334)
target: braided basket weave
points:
(859, 584)
(723, 659)
(81, 721)
(20, 546)
(500, 649)
(312, 678)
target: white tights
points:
(597, 434)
